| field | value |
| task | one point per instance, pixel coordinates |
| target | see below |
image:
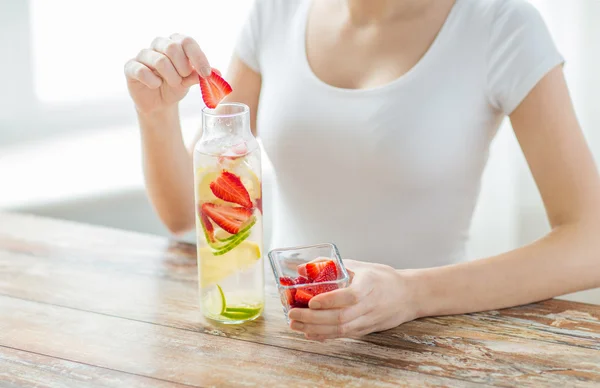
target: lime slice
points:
(215, 303)
(222, 237)
(204, 177)
(250, 181)
(240, 313)
(229, 246)
(216, 267)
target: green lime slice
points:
(241, 232)
(232, 244)
(215, 303)
(224, 246)
(239, 313)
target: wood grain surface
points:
(87, 306)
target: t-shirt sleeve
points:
(248, 42)
(521, 52)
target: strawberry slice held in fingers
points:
(214, 89)
(229, 218)
(229, 187)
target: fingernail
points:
(315, 305)
(205, 71)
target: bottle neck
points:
(226, 120)
(225, 126)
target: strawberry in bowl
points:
(303, 272)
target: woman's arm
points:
(158, 78)
(564, 261)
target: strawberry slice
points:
(291, 292)
(230, 219)
(214, 89)
(208, 227)
(229, 187)
(303, 296)
(321, 288)
(323, 270)
(302, 270)
(302, 280)
(259, 204)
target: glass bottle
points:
(228, 192)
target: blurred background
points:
(69, 145)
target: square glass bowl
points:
(285, 262)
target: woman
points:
(377, 116)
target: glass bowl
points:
(285, 263)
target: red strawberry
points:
(229, 187)
(214, 89)
(286, 281)
(291, 292)
(208, 227)
(321, 288)
(259, 203)
(302, 280)
(302, 270)
(302, 297)
(231, 219)
(324, 270)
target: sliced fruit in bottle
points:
(232, 244)
(204, 177)
(230, 188)
(223, 236)
(241, 313)
(231, 219)
(222, 247)
(215, 302)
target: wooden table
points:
(87, 306)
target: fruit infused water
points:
(228, 189)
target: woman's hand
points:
(378, 298)
(161, 75)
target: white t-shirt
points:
(391, 174)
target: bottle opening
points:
(227, 110)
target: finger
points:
(194, 53)
(160, 64)
(190, 80)
(134, 70)
(336, 299)
(174, 51)
(331, 331)
(327, 317)
(361, 286)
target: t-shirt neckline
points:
(427, 57)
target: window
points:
(67, 56)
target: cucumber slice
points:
(246, 228)
(232, 244)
